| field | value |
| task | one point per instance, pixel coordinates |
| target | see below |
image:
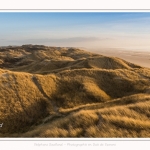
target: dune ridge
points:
(68, 92)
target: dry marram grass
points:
(68, 92)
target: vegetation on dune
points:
(68, 92)
(120, 121)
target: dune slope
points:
(68, 92)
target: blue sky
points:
(89, 30)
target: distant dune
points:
(69, 92)
(140, 57)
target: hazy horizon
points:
(92, 30)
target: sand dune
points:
(68, 92)
(139, 57)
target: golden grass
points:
(66, 92)
(112, 122)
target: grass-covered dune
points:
(68, 92)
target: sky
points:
(127, 30)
